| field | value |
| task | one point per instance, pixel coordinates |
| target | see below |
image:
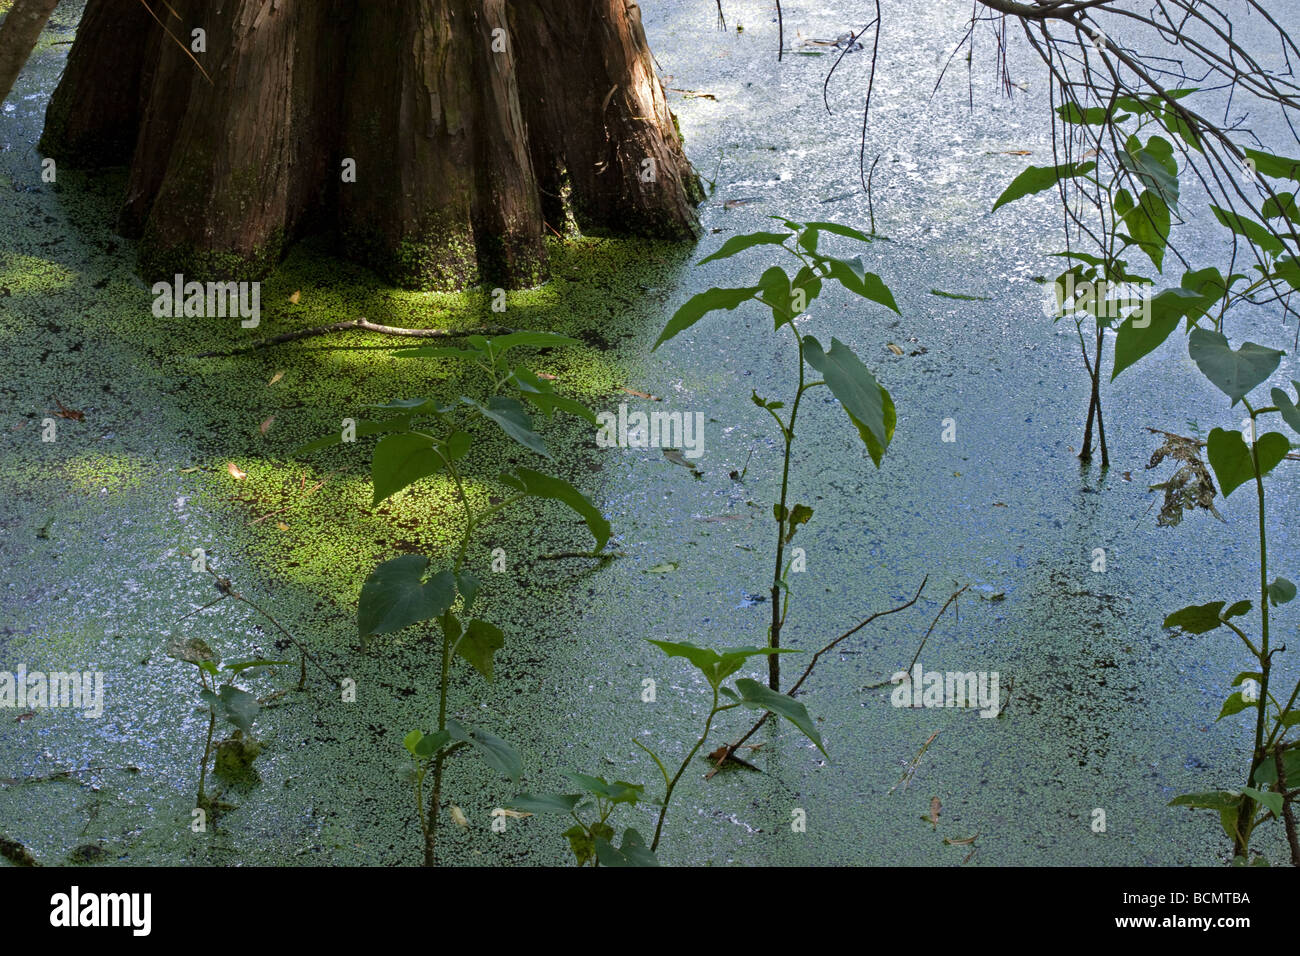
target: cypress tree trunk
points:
(441, 139)
(18, 35)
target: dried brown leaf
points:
(1191, 486)
(72, 413)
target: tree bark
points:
(18, 36)
(472, 126)
(602, 134)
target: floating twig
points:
(729, 751)
(914, 764)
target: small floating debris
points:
(69, 413)
(932, 817)
(692, 94)
(675, 456)
(845, 41)
(635, 394)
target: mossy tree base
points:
(442, 140)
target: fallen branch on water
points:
(228, 591)
(730, 749)
(364, 325)
(599, 555)
(59, 775)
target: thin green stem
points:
(672, 785)
(1242, 634)
(774, 632)
(435, 801)
(207, 751)
(419, 802)
(469, 512)
(1246, 814)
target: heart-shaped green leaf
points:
(1230, 459)
(239, 707)
(740, 243)
(395, 595)
(761, 697)
(716, 666)
(400, 461)
(633, 852)
(774, 287)
(538, 485)
(514, 421)
(1235, 373)
(545, 802)
(1288, 409)
(851, 274)
(1281, 591)
(423, 745)
(1140, 334)
(1035, 179)
(1235, 704)
(1197, 618)
(480, 641)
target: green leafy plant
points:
(592, 840)
(867, 403)
(1273, 781)
(870, 409)
(1132, 184)
(591, 837)
(224, 701)
(423, 439)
